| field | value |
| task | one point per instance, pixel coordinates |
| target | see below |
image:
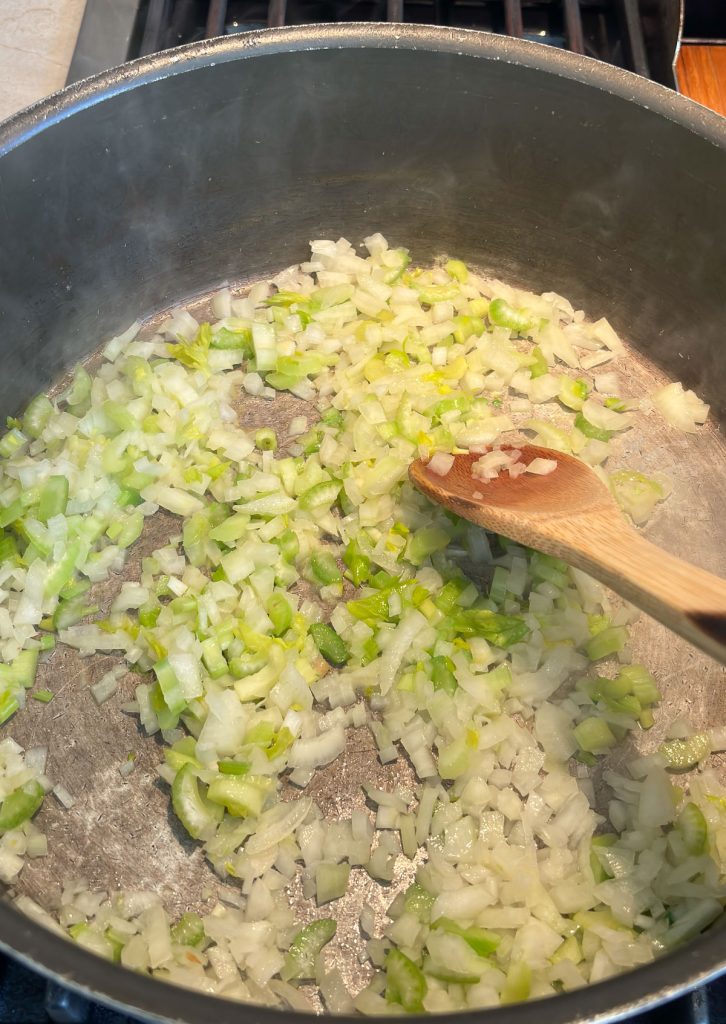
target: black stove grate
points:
(632, 34)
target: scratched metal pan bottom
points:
(129, 193)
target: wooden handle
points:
(687, 599)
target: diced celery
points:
(198, 815)
(609, 641)
(481, 940)
(442, 674)
(37, 416)
(681, 755)
(280, 613)
(53, 498)
(170, 687)
(324, 568)
(693, 828)
(594, 735)
(214, 661)
(20, 805)
(502, 314)
(240, 795)
(405, 982)
(538, 367)
(305, 948)
(358, 564)
(188, 930)
(425, 542)
(518, 983)
(332, 646)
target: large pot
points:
(156, 181)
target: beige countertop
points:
(37, 38)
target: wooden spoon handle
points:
(687, 599)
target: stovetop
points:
(640, 35)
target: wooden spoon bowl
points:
(571, 514)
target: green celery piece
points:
(170, 687)
(332, 646)
(371, 609)
(539, 367)
(11, 512)
(266, 440)
(247, 664)
(37, 416)
(280, 613)
(8, 705)
(119, 416)
(593, 735)
(642, 684)
(20, 805)
(458, 270)
(53, 498)
(193, 354)
(425, 542)
(239, 795)
(608, 641)
(286, 299)
(500, 630)
(148, 614)
(282, 742)
(233, 767)
(131, 528)
(305, 948)
(442, 674)
(226, 339)
(358, 564)
(324, 568)
(43, 696)
(600, 873)
(590, 430)
(188, 930)
(405, 982)
(693, 828)
(288, 544)
(80, 388)
(369, 651)
(501, 314)
(518, 985)
(60, 572)
(320, 495)
(198, 815)
(418, 901)
(448, 596)
(682, 755)
(213, 658)
(8, 548)
(21, 672)
(572, 392)
(184, 751)
(481, 940)
(261, 734)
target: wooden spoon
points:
(571, 514)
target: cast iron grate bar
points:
(513, 18)
(276, 13)
(573, 26)
(394, 10)
(157, 21)
(216, 18)
(633, 37)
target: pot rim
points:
(151, 999)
